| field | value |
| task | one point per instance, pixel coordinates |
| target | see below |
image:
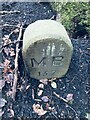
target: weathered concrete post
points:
(47, 49)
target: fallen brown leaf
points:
(16, 30)
(41, 86)
(6, 63)
(40, 92)
(38, 109)
(12, 53)
(44, 81)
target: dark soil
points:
(75, 82)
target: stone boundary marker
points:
(47, 49)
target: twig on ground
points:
(52, 79)
(9, 25)
(16, 66)
(67, 103)
(55, 116)
(1, 47)
(76, 115)
(53, 17)
(60, 97)
(9, 12)
(88, 48)
(13, 42)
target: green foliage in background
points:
(74, 15)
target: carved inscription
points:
(55, 61)
(45, 73)
(47, 53)
(50, 56)
(36, 63)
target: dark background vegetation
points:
(75, 16)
